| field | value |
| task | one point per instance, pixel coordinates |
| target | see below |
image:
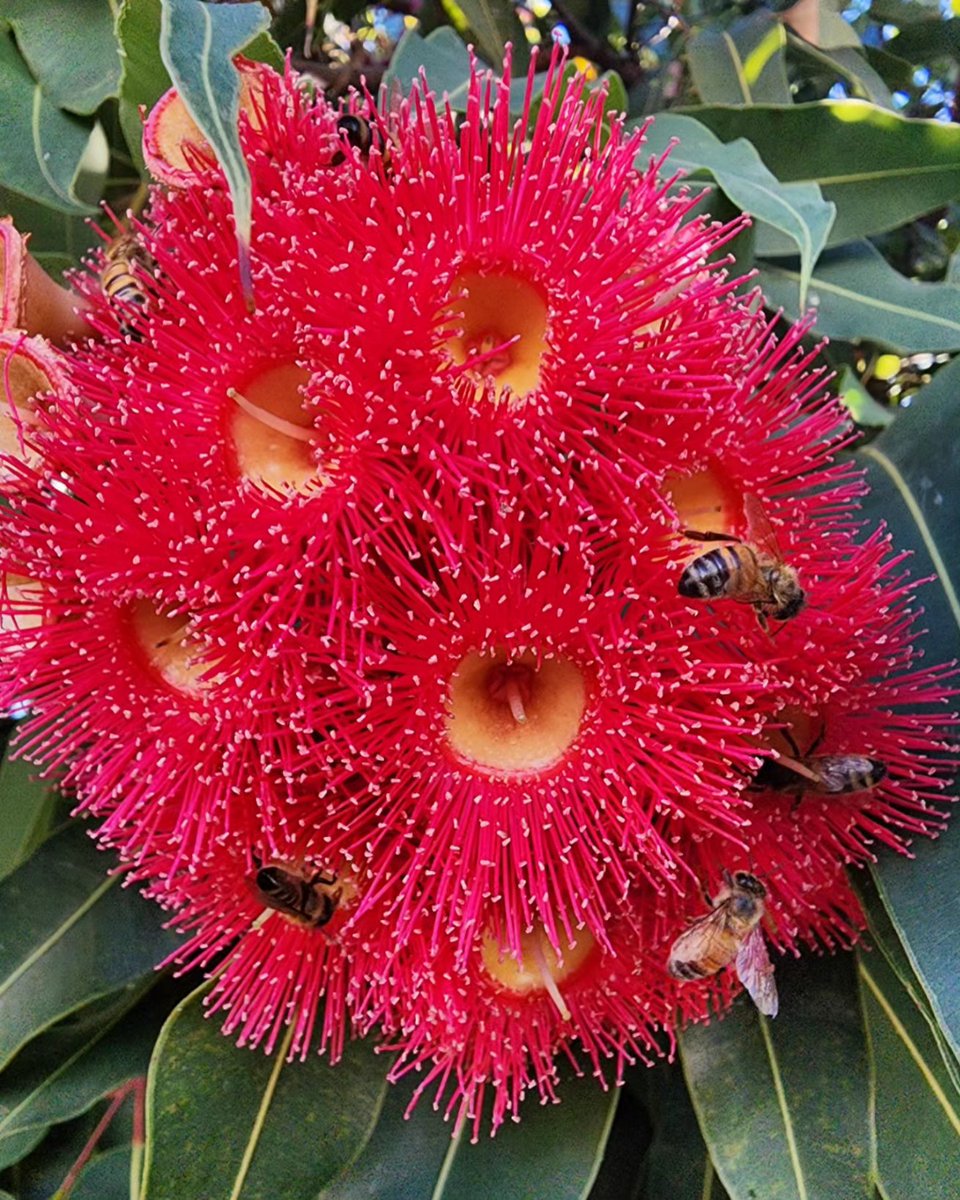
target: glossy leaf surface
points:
(222, 1121)
(143, 78)
(70, 48)
(913, 469)
(197, 44)
(494, 23)
(442, 55)
(743, 63)
(917, 1107)
(798, 210)
(44, 152)
(784, 1104)
(67, 1069)
(879, 168)
(854, 289)
(26, 804)
(423, 1156)
(70, 934)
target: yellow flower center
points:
(705, 501)
(170, 649)
(273, 434)
(514, 715)
(540, 967)
(501, 324)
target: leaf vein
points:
(784, 1109)
(912, 1050)
(261, 1118)
(923, 528)
(57, 934)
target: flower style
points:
(355, 619)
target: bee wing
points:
(755, 971)
(760, 531)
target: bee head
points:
(270, 879)
(878, 770)
(795, 601)
(356, 130)
(749, 883)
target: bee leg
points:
(791, 740)
(707, 536)
(819, 738)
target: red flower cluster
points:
(355, 619)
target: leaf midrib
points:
(912, 1049)
(869, 301)
(56, 935)
(784, 1108)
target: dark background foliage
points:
(835, 130)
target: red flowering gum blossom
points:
(279, 923)
(379, 585)
(29, 298)
(497, 1025)
(175, 151)
(533, 735)
(524, 268)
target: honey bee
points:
(731, 932)
(119, 281)
(748, 572)
(358, 132)
(826, 774)
(306, 899)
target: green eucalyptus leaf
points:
(197, 44)
(678, 1165)
(879, 168)
(617, 100)
(105, 1177)
(798, 210)
(851, 66)
(924, 40)
(857, 294)
(626, 1149)
(143, 77)
(495, 23)
(55, 237)
(784, 1104)
(18, 1145)
(742, 64)
(912, 1093)
(70, 47)
(66, 1070)
(254, 1126)
(45, 154)
(443, 57)
(913, 468)
(26, 807)
(839, 50)
(884, 937)
(70, 934)
(419, 1157)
